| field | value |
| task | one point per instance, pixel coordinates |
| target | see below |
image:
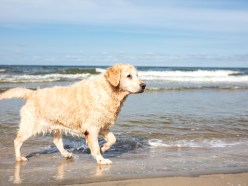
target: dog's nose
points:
(143, 85)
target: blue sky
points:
(141, 32)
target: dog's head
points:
(125, 77)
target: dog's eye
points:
(129, 76)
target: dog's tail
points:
(21, 93)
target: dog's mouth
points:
(138, 92)
(141, 91)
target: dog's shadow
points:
(78, 146)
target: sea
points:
(189, 121)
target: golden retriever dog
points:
(87, 108)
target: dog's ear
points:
(113, 75)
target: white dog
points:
(87, 108)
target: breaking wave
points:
(180, 88)
(22, 74)
(41, 78)
(195, 76)
(214, 143)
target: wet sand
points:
(51, 169)
(240, 179)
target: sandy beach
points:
(239, 179)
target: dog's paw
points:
(68, 155)
(21, 159)
(104, 162)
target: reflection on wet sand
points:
(102, 169)
(17, 173)
(60, 171)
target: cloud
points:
(176, 27)
(74, 11)
(123, 12)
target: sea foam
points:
(194, 76)
(207, 143)
(41, 78)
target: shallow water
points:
(162, 132)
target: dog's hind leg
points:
(57, 140)
(27, 130)
(20, 138)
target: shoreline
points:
(67, 172)
(240, 179)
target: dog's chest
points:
(105, 114)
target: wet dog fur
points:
(87, 108)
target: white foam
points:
(2, 70)
(214, 143)
(194, 76)
(100, 70)
(41, 78)
(157, 143)
(197, 73)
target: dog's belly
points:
(76, 121)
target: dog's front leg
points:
(110, 140)
(92, 140)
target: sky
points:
(208, 33)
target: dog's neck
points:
(118, 96)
